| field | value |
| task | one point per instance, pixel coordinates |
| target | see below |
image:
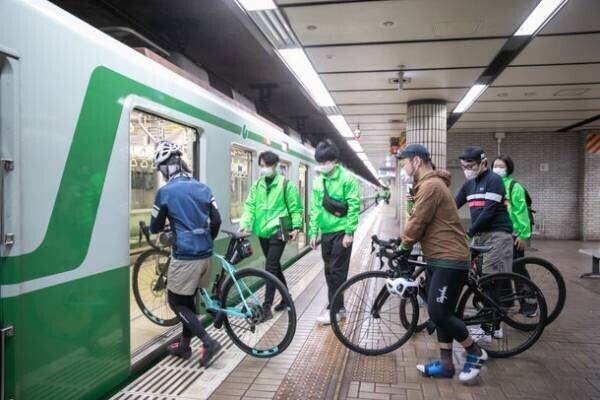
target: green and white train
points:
(79, 113)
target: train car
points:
(79, 115)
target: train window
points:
(284, 169)
(241, 179)
(303, 190)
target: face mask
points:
(470, 174)
(266, 171)
(500, 171)
(407, 179)
(325, 168)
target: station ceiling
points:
(359, 48)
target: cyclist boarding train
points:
(195, 221)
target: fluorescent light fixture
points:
(354, 145)
(300, 65)
(363, 156)
(341, 125)
(469, 98)
(541, 14)
(257, 5)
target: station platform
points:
(563, 364)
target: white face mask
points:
(407, 179)
(266, 171)
(500, 171)
(325, 168)
(470, 174)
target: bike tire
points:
(423, 321)
(229, 288)
(147, 309)
(535, 330)
(554, 310)
(340, 328)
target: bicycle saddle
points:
(476, 249)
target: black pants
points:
(444, 288)
(273, 250)
(520, 269)
(337, 261)
(185, 309)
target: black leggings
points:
(444, 288)
(184, 307)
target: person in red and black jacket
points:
(490, 223)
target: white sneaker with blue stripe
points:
(472, 367)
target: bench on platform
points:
(595, 254)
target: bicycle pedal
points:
(219, 317)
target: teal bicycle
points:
(235, 300)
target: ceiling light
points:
(341, 125)
(544, 11)
(469, 98)
(363, 156)
(300, 65)
(354, 145)
(257, 5)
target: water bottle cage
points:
(402, 286)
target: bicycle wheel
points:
(423, 321)
(372, 324)
(256, 335)
(149, 281)
(491, 310)
(550, 281)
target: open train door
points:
(8, 134)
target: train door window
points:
(145, 130)
(303, 190)
(284, 169)
(241, 179)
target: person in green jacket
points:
(386, 196)
(272, 197)
(337, 231)
(519, 216)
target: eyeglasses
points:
(471, 166)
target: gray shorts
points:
(500, 258)
(185, 276)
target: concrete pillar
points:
(426, 125)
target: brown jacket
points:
(435, 223)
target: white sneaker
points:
(472, 367)
(479, 335)
(324, 319)
(498, 334)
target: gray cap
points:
(413, 150)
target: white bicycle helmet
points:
(163, 150)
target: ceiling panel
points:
(374, 109)
(407, 20)
(446, 78)
(511, 124)
(450, 54)
(541, 92)
(575, 16)
(366, 127)
(528, 116)
(587, 104)
(364, 119)
(561, 49)
(397, 96)
(549, 75)
(524, 130)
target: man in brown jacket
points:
(435, 223)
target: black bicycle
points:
(541, 272)
(382, 306)
(234, 303)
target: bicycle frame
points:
(214, 305)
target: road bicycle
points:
(234, 301)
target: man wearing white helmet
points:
(195, 221)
